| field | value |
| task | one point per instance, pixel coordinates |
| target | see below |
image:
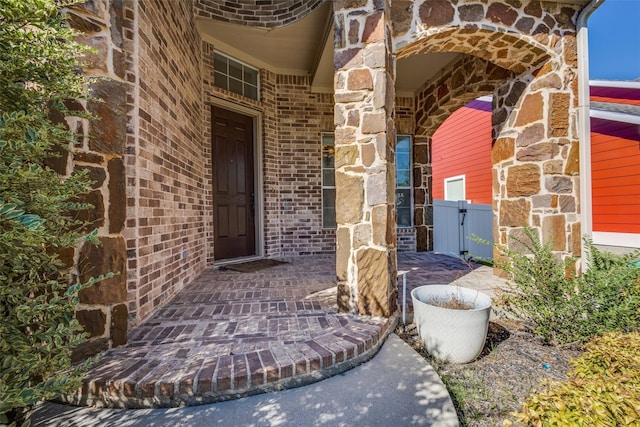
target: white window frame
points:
(410, 187)
(456, 178)
(243, 81)
(323, 186)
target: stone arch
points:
(256, 13)
(467, 79)
(532, 45)
(535, 136)
(511, 51)
(532, 22)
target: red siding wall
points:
(462, 146)
(615, 170)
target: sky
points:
(614, 41)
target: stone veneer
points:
(102, 311)
(365, 158)
(535, 109)
(524, 51)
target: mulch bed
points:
(513, 364)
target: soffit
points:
(293, 49)
(305, 48)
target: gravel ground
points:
(513, 364)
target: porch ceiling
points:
(292, 49)
(306, 48)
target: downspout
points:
(584, 125)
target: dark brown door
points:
(233, 192)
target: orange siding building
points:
(615, 163)
(462, 146)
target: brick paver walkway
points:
(231, 334)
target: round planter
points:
(456, 336)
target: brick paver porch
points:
(231, 334)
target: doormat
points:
(252, 266)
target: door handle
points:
(252, 203)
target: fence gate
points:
(455, 224)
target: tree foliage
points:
(39, 74)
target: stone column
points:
(364, 158)
(535, 155)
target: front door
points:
(233, 187)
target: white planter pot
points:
(457, 336)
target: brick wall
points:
(257, 13)
(166, 206)
(302, 117)
(271, 172)
(293, 119)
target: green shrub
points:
(563, 307)
(603, 388)
(38, 75)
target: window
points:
(404, 202)
(328, 182)
(235, 76)
(454, 188)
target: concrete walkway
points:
(397, 387)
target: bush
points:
(567, 308)
(603, 388)
(39, 73)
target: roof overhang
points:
(305, 48)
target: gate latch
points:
(464, 215)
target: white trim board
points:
(627, 240)
(618, 84)
(614, 116)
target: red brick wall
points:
(165, 158)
